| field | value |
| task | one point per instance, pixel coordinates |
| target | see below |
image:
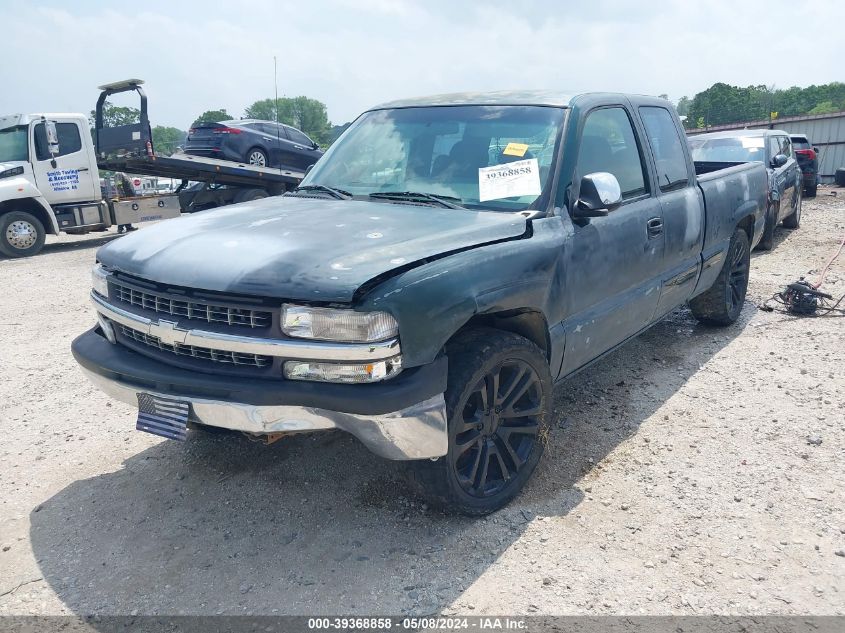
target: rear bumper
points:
(404, 418)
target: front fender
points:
(19, 188)
(433, 301)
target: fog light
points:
(349, 373)
(106, 327)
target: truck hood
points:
(304, 249)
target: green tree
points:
(303, 113)
(213, 116)
(114, 116)
(683, 106)
(824, 108)
(167, 139)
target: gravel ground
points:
(693, 471)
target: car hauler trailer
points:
(49, 175)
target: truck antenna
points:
(276, 102)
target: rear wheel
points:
(256, 156)
(498, 401)
(248, 195)
(722, 303)
(21, 234)
(812, 190)
(793, 220)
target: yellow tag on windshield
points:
(515, 149)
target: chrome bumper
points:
(416, 432)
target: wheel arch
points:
(36, 208)
(526, 322)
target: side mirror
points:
(52, 140)
(816, 150)
(315, 145)
(779, 160)
(598, 195)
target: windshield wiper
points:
(436, 198)
(340, 194)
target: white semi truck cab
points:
(50, 181)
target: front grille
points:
(192, 309)
(202, 353)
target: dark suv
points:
(808, 161)
(260, 143)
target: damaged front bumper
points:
(402, 419)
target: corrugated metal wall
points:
(825, 131)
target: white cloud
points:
(352, 54)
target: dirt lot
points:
(694, 471)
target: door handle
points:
(298, 147)
(82, 169)
(655, 227)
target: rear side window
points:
(608, 143)
(298, 137)
(69, 140)
(669, 156)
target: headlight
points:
(330, 324)
(335, 372)
(100, 280)
(14, 171)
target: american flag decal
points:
(162, 416)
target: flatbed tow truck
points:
(49, 181)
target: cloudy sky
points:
(352, 54)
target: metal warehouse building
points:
(825, 131)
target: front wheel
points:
(768, 240)
(722, 303)
(21, 234)
(498, 402)
(793, 220)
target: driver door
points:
(614, 266)
(73, 179)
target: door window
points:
(298, 137)
(774, 147)
(785, 145)
(608, 143)
(69, 140)
(669, 156)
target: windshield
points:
(740, 149)
(13, 144)
(483, 157)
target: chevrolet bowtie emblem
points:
(168, 333)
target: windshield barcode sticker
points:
(520, 178)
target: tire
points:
(257, 156)
(722, 303)
(768, 240)
(491, 455)
(811, 191)
(793, 220)
(21, 234)
(839, 178)
(248, 195)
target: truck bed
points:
(732, 191)
(201, 169)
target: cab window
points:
(608, 143)
(69, 140)
(669, 156)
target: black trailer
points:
(130, 149)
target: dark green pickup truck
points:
(441, 267)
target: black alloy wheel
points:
(498, 428)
